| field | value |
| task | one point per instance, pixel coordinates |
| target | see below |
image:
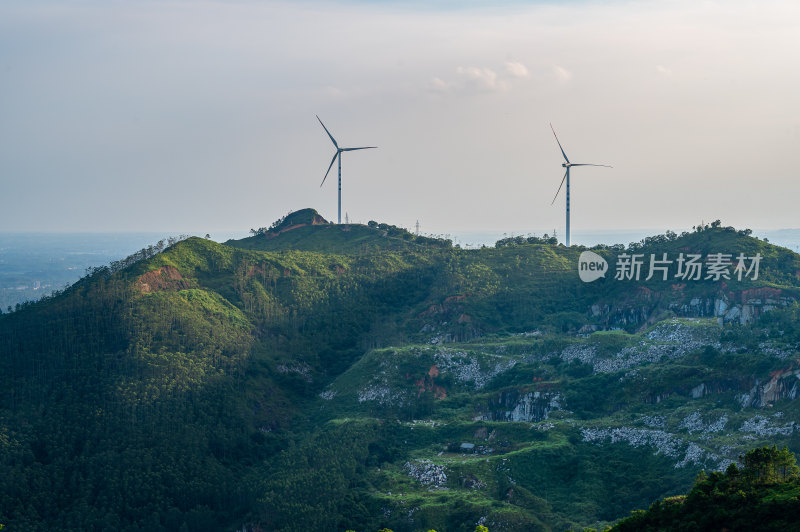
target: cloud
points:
(439, 85)
(562, 74)
(482, 79)
(518, 70)
(473, 79)
(664, 71)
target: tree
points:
(768, 465)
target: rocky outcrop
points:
(426, 472)
(670, 339)
(513, 405)
(764, 427)
(695, 422)
(782, 384)
(730, 307)
(467, 368)
(663, 442)
(752, 393)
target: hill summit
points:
(307, 230)
(293, 220)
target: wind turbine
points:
(339, 155)
(568, 165)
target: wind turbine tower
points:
(338, 155)
(566, 164)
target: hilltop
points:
(325, 377)
(306, 230)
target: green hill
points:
(354, 377)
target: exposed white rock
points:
(426, 472)
(671, 339)
(376, 392)
(533, 406)
(782, 385)
(466, 368)
(783, 352)
(299, 367)
(583, 352)
(694, 455)
(762, 426)
(694, 423)
(664, 443)
(328, 394)
(733, 314)
(654, 421)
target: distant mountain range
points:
(316, 376)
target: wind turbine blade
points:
(559, 186)
(328, 132)
(559, 143)
(364, 148)
(329, 168)
(587, 164)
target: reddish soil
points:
(164, 278)
(316, 220)
(761, 293)
(426, 383)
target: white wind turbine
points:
(339, 155)
(568, 165)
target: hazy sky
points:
(199, 115)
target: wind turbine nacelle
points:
(565, 165)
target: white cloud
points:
(482, 79)
(562, 74)
(664, 71)
(518, 70)
(473, 79)
(439, 85)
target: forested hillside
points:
(332, 377)
(761, 495)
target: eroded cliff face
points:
(750, 392)
(782, 384)
(517, 405)
(525, 405)
(645, 306)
